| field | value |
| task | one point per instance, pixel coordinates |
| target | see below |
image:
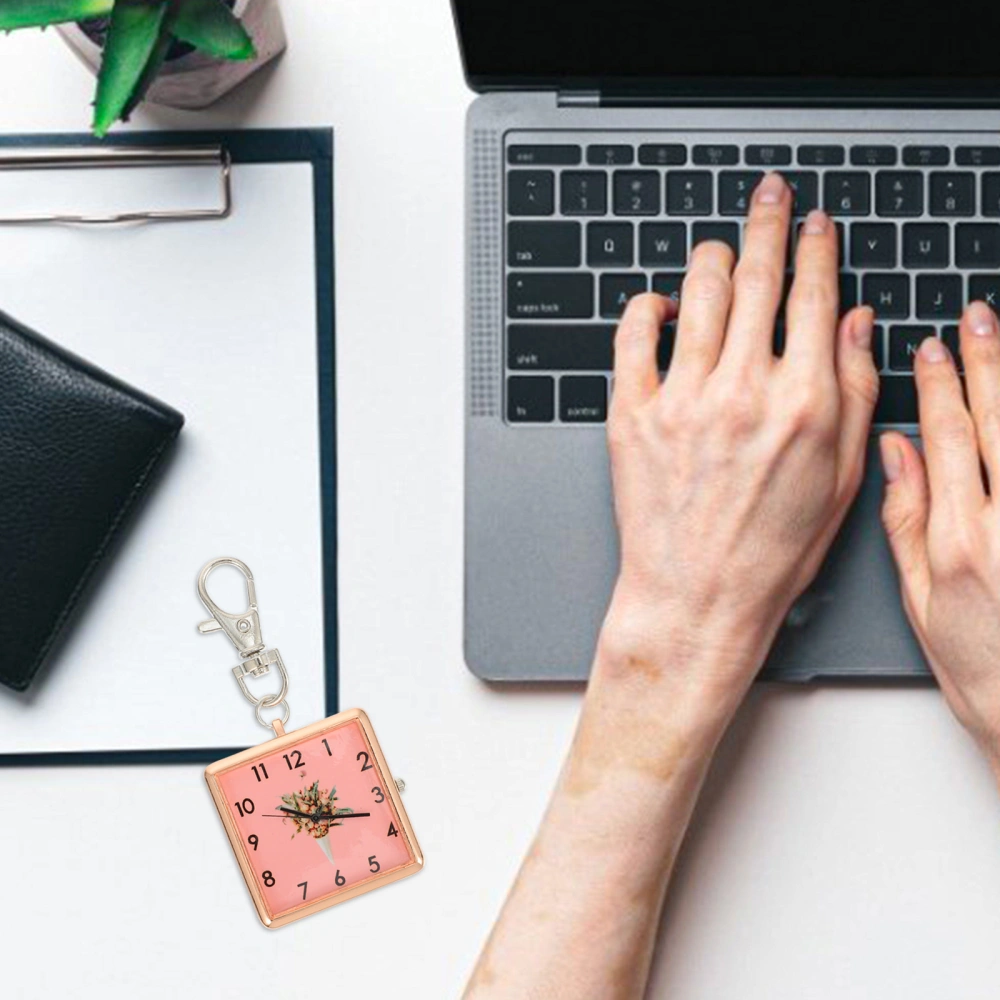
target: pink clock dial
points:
(314, 818)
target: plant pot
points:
(193, 79)
(324, 843)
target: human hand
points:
(943, 523)
(732, 478)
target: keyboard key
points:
(925, 245)
(637, 192)
(821, 156)
(953, 193)
(873, 156)
(805, 189)
(610, 156)
(544, 156)
(668, 285)
(904, 342)
(543, 244)
(939, 296)
(897, 401)
(616, 290)
(899, 193)
(716, 156)
(571, 347)
(926, 156)
(873, 244)
(727, 232)
(662, 244)
(950, 336)
(662, 155)
(847, 193)
(583, 192)
(887, 294)
(583, 399)
(550, 296)
(735, 188)
(531, 192)
(878, 346)
(610, 244)
(991, 195)
(847, 287)
(768, 156)
(977, 244)
(978, 156)
(531, 399)
(689, 192)
(985, 288)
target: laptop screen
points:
(855, 46)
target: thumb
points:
(905, 512)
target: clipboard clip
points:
(98, 157)
(244, 632)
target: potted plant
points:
(185, 53)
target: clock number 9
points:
(245, 807)
(268, 879)
(367, 765)
(252, 840)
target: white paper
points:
(218, 319)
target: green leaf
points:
(38, 13)
(132, 40)
(211, 26)
(153, 66)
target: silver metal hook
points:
(243, 629)
(244, 632)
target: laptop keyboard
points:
(590, 224)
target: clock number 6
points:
(367, 765)
(245, 807)
(339, 879)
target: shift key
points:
(550, 296)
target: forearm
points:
(581, 919)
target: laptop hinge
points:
(578, 99)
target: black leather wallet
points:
(77, 450)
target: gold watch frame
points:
(277, 744)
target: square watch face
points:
(314, 817)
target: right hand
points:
(942, 516)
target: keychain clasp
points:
(244, 632)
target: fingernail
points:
(982, 320)
(892, 459)
(933, 350)
(815, 224)
(770, 189)
(864, 324)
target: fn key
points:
(531, 399)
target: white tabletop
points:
(848, 844)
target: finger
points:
(759, 277)
(981, 358)
(811, 315)
(858, 379)
(636, 342)
(950, 449)
(905, 512)
(701, 325)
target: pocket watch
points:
(314, 816)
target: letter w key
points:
(663, 244)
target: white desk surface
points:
(847, 847)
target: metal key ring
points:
(260, 718)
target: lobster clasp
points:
(243, 629)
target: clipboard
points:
(199, 269)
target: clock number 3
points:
(367, 765)
(379, 795)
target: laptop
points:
(609, 138)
